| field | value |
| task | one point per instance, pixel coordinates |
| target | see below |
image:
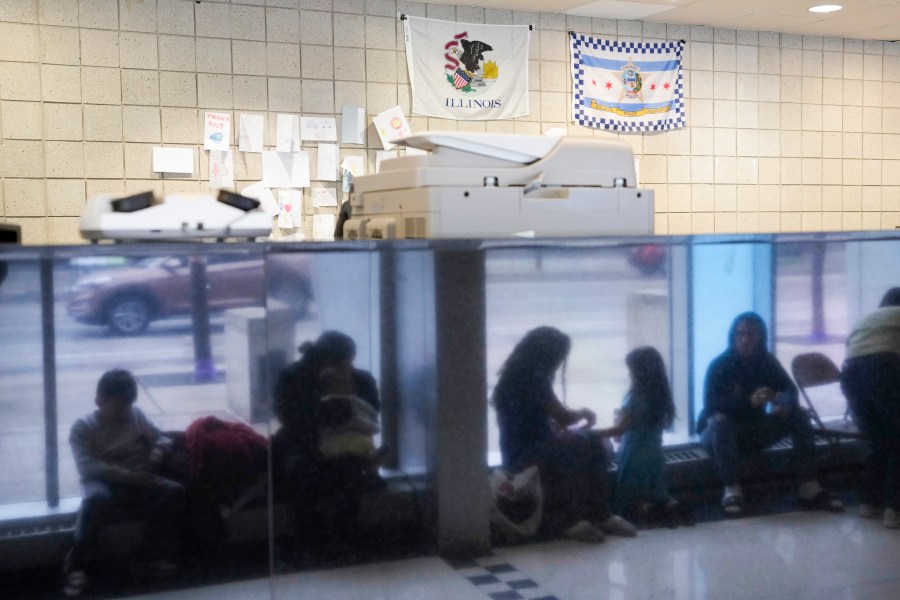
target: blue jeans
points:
(162, 505)
(729, 442)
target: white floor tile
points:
(774, 557)
(401, 580)
(796, 556)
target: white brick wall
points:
(786, 133)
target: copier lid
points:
(522, 149)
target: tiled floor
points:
(791, 556)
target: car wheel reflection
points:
(128, 315)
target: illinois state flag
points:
(627, 86)
(467, 71)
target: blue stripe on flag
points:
(616, 65)
(629, 106)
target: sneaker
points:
(674, 515)
(867, 511)
(154, 568)
(649, 515)
(616, 525)
(823, 500)
(583, 531)
(76, 581)
(891, 518)
(733, 506)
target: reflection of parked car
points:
(128, 298)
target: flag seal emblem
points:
(467, 69)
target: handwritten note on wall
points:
(250, 138)
(217, 131)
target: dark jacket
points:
(731, 380)
(522, 419)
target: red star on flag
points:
(608, 85)
(666, 85)
(594, 81)
(652, 86)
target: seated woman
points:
(740, 384)
(534, 430)
(324, 488)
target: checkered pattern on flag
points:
(467, 71)
(627, 86)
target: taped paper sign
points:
(289, 208)
(221, 169)
(217, 131)
(391, 124)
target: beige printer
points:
(472, 185)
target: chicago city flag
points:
(467, 71)
(627, 86)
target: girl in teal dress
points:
(646, 411)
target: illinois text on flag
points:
(467, 71)
(627, 86)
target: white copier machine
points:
(176, 217)
(495, 185)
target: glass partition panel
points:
(812, 311)
(162, 447)
(608, 299)
(173, 315)
(22, 434)
(727, 279)
(823, 285)
(333, 503)
(164, 315)
(872, 268)
(209, 331)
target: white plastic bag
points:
(517, 505)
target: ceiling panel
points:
(616, 9)
(538, 6)
(860, 19)
(796, 8)
(850, 25)
(888, 33)
(704, 12)
(764, 23)
(665, 2)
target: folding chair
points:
(814, 369)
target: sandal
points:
(733, 506)
(823, 500)
(616, 525)
(674, 514)
(583, 531)
(648, 515)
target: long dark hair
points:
(536, 357)
(330, 349)
(650, 388)
(891, 297)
